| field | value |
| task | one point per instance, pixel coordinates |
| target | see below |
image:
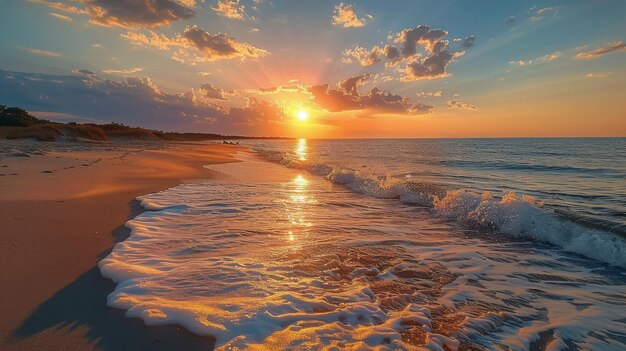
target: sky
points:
(321, 69)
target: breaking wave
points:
(519, 216)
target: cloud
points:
(544, 10)
(346, 17)
(510, 20)
(537, 14)
(230, 9)
(599, 74)
(459, 104)
(123, 71)
(347, 98)
(437, 93)
(364, 56)
(545, 58)
(212, 92)
(60, 6)
(196, 45)
(421, 53)
(60, 16)
(138, 101)
(608, 48)
(136, 13)
(468, 42)
(129, 13)
(43, 52)
(84, 72)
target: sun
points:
(302, 115)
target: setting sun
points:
(302, 115)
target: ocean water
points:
(389, 245)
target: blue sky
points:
(531, 68)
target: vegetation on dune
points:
(16, 123)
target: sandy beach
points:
(61, 211)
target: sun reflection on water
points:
(298, 206)
(301, 149)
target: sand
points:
(60, 213)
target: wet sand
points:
(61, 211)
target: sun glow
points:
(302, 115)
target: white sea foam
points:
(302, 265)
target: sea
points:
(388, 244)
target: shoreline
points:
(62, 212)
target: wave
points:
(510, 214)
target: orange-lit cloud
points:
(347, 98)
(61, 17)
(599, 74)
(61, 6)
(230, 9)
(43, 52)
(610, 47)
(459, 104)
(123, 71)
(545, 58)
(196, 45)
(346, 17)
(136, 13)
(129, 13)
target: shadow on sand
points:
(81, 304)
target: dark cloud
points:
(136, 13)
(392, 52)
(510, 20)
(135, 101)
(608, 48)
(347, 98)
(468, 42)
(196, 45)
(421, 35)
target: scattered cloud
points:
(43, 52)
(599, 74)
(437, 93)
(195, 45)
(123, 71)
(84, 72)
(61, 6)
(346, 17)
(212, 92)
(364, 56)
(420, 52)
(128, 14)
(537, 14)
(459, 104)
(346, 97)
(608, 48)
(468, 42)
(61, 17)
(230, 9)
(545, 58)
